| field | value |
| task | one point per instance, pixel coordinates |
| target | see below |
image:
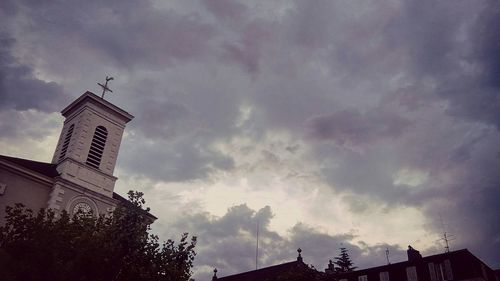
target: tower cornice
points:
(100, 102)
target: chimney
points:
(413, 255)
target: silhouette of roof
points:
(49, 170)
(462, 259)
(266, 273)
(46, 169)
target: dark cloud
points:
(455, 50)
(19, 88)
(475, 92)
(352, 128)
(475, 185)
(122, 33)
(370, 92)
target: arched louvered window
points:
(97, 147)
(67, 139)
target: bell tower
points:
(89, 143)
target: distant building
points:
(270, 273)
(456, 265)
(459, 265)
(80, 176)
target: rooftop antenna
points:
(446, 236)
(105, 86)
(387, 255)
(257, 248)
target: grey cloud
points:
(176, 120)
(350, 127)
(406, 82)
(453, 46)
(25, 125)
(226, 9)
(19, 88)
(182, 160)
(228, 243)
(123, 33)
(470, 211)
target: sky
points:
(361, 124)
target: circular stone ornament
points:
(82, 209)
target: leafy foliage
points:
(46, 246)
(343, 261)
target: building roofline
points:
(269, 268)
(100, 101)
(423, 259)
(48, 172)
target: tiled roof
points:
(266, 273)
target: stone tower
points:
(89, 143)
(86, 154)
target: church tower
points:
(89, 143)
(80, 179)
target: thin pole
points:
(257, 248)
(387, 255)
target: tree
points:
(43, 246)
(343, 261)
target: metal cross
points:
(105, 86)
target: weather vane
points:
(105, 86)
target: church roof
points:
(46, 169)
(49, 170)
(266, 273)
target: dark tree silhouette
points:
(343, 262)
(43, 246)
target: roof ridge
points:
(44, 168)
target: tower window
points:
(67, 139)
(97, 147)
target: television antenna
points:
(446, 236)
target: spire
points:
(299, 258)
(215, 274)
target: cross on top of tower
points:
(105, 86)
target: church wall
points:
(22, 189)
(100, 205)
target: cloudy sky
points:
(363, 124)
